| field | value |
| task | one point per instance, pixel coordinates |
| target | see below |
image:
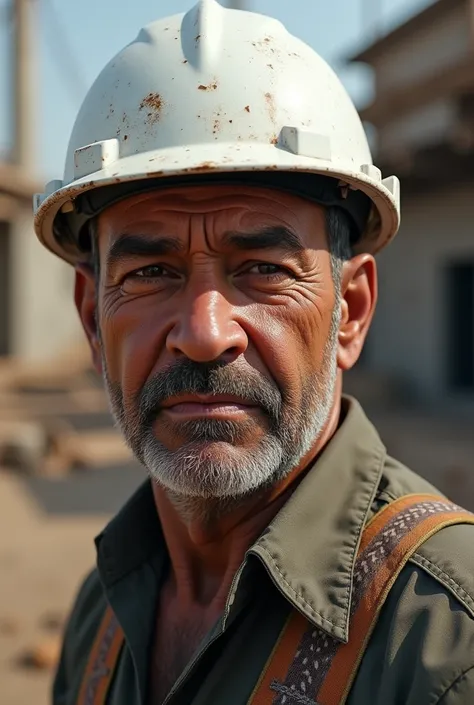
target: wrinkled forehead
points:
(222, 206)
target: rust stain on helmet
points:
(270, 100)
(210, 87)
(203, 167)
(154, 103)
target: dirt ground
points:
(46, 548)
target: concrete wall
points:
(409, 334)
(43, 317)
(438, 45)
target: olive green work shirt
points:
(422, 649)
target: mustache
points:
(189, 377)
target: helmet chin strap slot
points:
(306, 143)
(94, 157)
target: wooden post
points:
(371, 20)
(24, 103)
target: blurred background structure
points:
(423, 114)
(36, 311)
(409, 65)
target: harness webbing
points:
(307, 665)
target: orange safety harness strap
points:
(103, 659)
(307, 666)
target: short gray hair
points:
(339, 231)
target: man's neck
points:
(205, 555)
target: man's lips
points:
(198, 405)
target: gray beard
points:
(212, 466)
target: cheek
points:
(291, 339)
(133, 338)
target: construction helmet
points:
(216, 95)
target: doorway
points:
(460, 326)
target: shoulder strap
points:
(102, 662)
(309, 667)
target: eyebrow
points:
(142, 246)
(274, 237)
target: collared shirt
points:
(422, 649)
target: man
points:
(222, 213)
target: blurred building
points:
(37, 315)
(423, 115)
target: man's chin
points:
(215, 452)
(214, 469)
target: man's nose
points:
(206, 329)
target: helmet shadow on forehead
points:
(320, 190)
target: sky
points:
(74, 39)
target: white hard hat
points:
(216, 94)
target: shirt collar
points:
(311, 546)
(309, 549)
(130, 538)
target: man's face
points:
(218, 324)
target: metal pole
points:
(24, 104)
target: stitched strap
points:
(102, 662)
(309, 667)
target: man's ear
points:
(359, 298)
(85, 297)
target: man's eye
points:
(153, 277)
(152, 271)
(267, 270)
(149, 272)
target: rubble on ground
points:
(54, 417)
